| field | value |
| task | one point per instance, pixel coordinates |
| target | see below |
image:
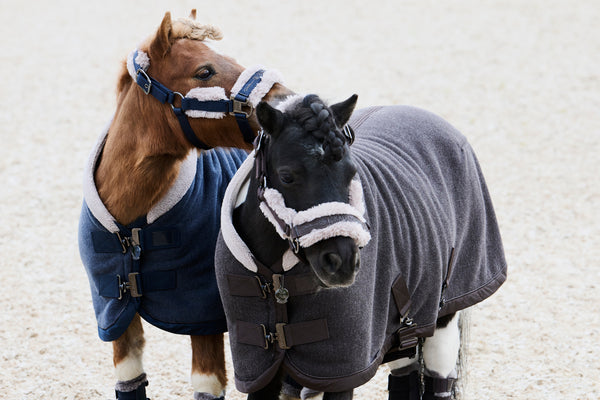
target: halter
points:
(239, 104)
(304, 228)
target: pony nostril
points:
(332, 262)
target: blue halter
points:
(234, 106)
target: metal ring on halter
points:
(294, 245)
(148, 85)
(180, 95)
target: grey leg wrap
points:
(134, 389)
(208, 396)
(406, 387)
(438, 388)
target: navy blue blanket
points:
(172, 270)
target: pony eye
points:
(204, 73)
(286, 177)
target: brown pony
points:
(141, 158)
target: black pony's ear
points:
(271, 119)
(342, 111)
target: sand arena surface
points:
(520, 79)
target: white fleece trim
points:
(90, 192)
(292, 217)
(234, 242)
(142, 60)
(269, 78)
(289, 101)
(356, 196)
(206, 94)
(289, 260)
(353, 230)
(185, 177)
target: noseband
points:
(304, 228)
(239, 104)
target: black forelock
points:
(315, 118)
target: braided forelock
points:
(317, 119)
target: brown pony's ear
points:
(193, 14)
(342, 111)
(161, 44)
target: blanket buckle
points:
(131, 285)
(277, 336)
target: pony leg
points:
(440, 354)
(208, 367)
(347, 395)
(403, 381)
(271, 391)
(127, 358)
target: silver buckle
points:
(148, 85)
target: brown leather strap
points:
(286, 335)
(253, 286)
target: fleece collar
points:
(182, 183)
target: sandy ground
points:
(520, 79)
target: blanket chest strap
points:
(286, 335)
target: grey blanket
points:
(426, 202)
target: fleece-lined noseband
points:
(251, 86)
(303, 229)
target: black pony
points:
(331, 261)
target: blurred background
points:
(519, 78)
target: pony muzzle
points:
(329, 233)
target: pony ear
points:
(193, 14)
(342, 111)
(161, 43)
(271, 119)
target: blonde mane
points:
(186, 28)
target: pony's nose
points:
(331, 262)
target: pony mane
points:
(316, 119)
(187, 28)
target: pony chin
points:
(327, 281)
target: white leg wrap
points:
(207, 384)
(440, 352)
(129, 368)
